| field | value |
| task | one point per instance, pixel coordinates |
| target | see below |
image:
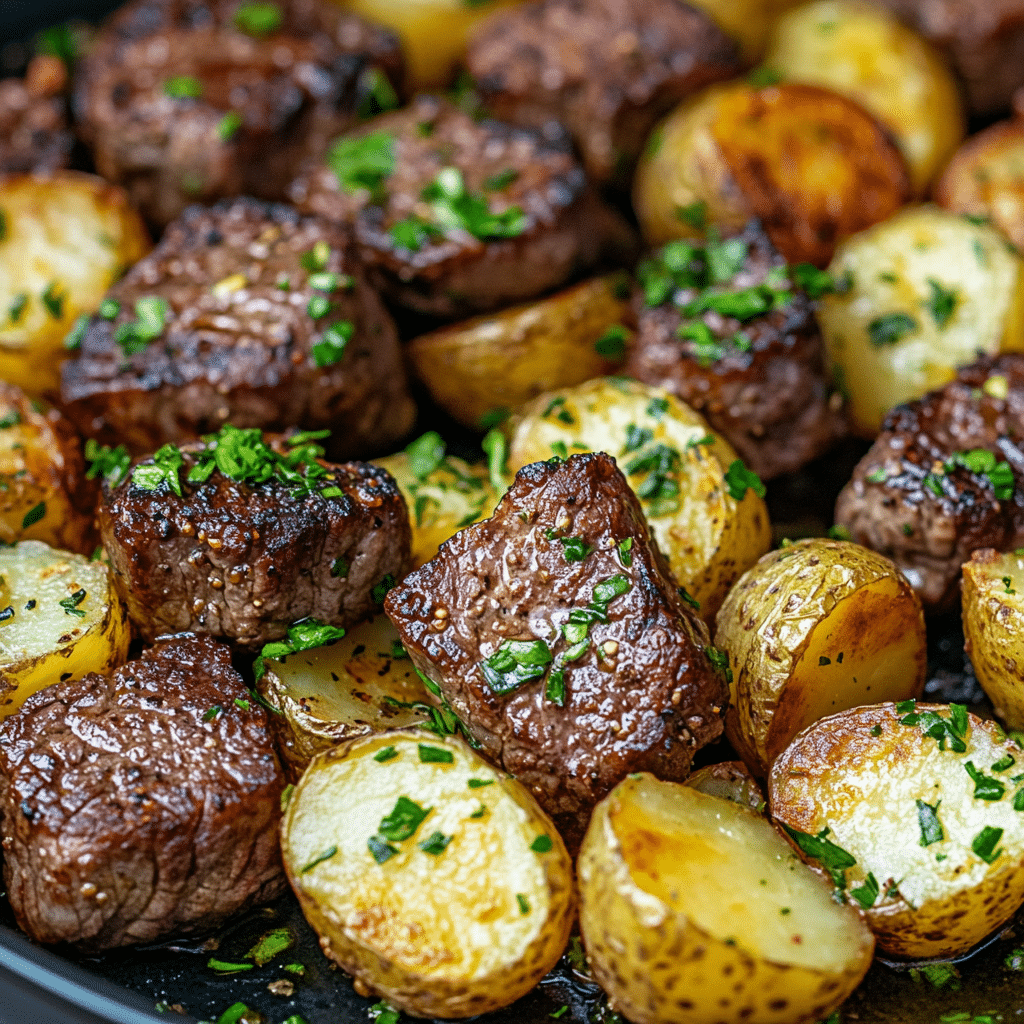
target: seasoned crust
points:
(606, 69)
(238, 347)
(130, 812)
(648, 702)
(907, 502)
(244, 561)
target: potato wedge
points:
(709, 524)
(44, 492)
(351, 688)
(730, 780)
(60, 618)
(694, 909)
(66, 239)
(921, 831)
(443, 493)
(985, 178)
(864, 52)
(434, 879)
(929, 291)
(812, 629)
(507, 358)
(993, 614)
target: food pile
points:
(260, 627)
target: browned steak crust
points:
(129, 811)
(640, 695)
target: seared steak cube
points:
(240, 539)
(606, 69)
(455, 216)
(140, 803)
(944, 478)
(728, 328)
(34, 131)
(246, 313)
(556, 635)
(186, 100)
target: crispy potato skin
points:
(41, 463)
(508, 358)
(68, 237)
(730, 780)
(884, 765)
(400, 926)
(801, 627)
(985, 178)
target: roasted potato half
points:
(432, 878)
(730, 780)
(812, 629)
(694, 909)
(65, 239)
(985, 178)
(60, 618)
(701, 503)
(443, 493)
(44, 492)
(929, 291)
(357, 686)
(913, 811)
(504, 359)
(993, 614)
(863, 52)
(813, 166)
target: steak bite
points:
(555, 633)
(34, 131)
(606, 69)
(944, 478)
(730, 329)
(186, 100)
(245, 313)
(239, 539)
(455, 216)
(141, 803)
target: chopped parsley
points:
(413, 233)
(383, 588)
(942, 303)
(380, 850)
(556, 407)
(952, 729)
(575, 549)
(72, 601)
(274, 943)
(316, 259)
(16, 309)
(320, 858)
(455, 208)
(385, 754)
(318, 307)
(816, 282)
(384, 1013)
(53, 300)
(426, 454)
(340, 567)
(515, 663)
(362, 161)
(659, 465)
(985, 787)
(496, 449)
(928, 820)
(739, 479)
(303, 635)
(719, 661)
(985, 842)
(73, 339)
(625, 548)
(834, 859)
(403, 821)
(688, 598)
(183, 87)
(889, 329)
(258, 17)
(695, 215)
(501, 181)
(436, 844)
(866, 894)
(542, 844)
(435, 755)
(523, 903)
(33, 515)
(226, 967)
(330, 349)
(554, 689)
(612, 344)
(149, 323)
(227, 127)
(636, 438)
(479, 783)
(110, 463)
(376, 94)
(984, 463)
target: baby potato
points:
(504, 359)
(985, 178)
(864, 52)
(44, 492)
(813, 166)
(694, 909)
(64, 239)
(814, 628)
(929, 291)
(60, 618)
(358, 686)
(703, 506)
(432, 878)
(443, 493)
(914, 810)
(730, 780)
(993, 614)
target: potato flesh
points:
(891, 265)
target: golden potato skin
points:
(459, 933)
(985, 178)
(859, 774)
(44, 492)
(814, 628)
(993, 616)
(863, 52)
(505, 359)
(729, 780)
(647, 947)
(67, 238)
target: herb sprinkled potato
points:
(814, 628)
(432, 878)
(60, 618)
(703, 505)
(64, 239)
(929, 291)
(694, 909)
(915, 811)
